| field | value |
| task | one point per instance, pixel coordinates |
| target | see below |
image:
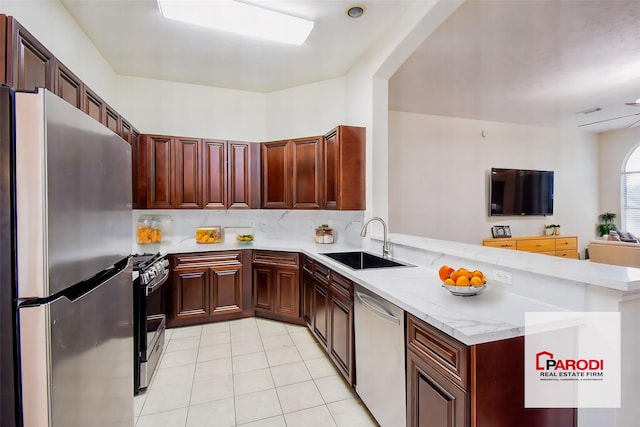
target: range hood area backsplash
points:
(178, 226)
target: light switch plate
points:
(502, 276)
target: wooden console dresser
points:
(557, 245)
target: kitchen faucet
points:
(385, 245)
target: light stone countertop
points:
(492, 315)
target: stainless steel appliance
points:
(149, 320)
(380, 357)
(66, 227)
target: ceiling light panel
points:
(239, 18)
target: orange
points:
(444, 272)
(484, 279)
(477, 273)
(449, 282)
(462, 281)
(464, 272)
(476, 281)
(455, 275)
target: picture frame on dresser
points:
(500, 231)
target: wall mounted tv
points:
(520, 192)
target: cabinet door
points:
(93, 105)
(344, 168)
(287, 295)
(190, 296)
(263, 288)
(276, 175)
(31, 64)
(214, 174)
(138, 183)
(241, 185)
(306, 154)
(320, 312)
(160, 177)
(341, 334)
(226, 290)
(331, 166)
(433, 400)
(68, 86)
(307, 298)
(187, 172)
(111, 119)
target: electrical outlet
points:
(503, 277)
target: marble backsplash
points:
(268, 224)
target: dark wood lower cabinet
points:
(276, 286)
(320, 327)
(341, 334)
(206, 287)
(454, 385)
(433, 400)
(328, 311)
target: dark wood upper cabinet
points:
(243, 175)
(306, 185)
(28, 63)
(67, 86)
(156, 157)
(344, 168)
(93, 105)
(111, 119)
(214, 173)
(276, 175)
(187, 172)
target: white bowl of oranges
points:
(462, 282)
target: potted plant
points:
(606, 223)
(549, 229)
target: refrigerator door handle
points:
(78, 290)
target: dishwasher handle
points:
(377, 307)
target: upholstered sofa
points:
(616, 253)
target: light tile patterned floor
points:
(251, 373)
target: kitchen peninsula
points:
(538, 283)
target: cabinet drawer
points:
(207, 259)
(341, 285)
(307, 264)
(449, 355)
(284, 259)
(536, 245)
(566, 243)
(501, 243)
(567, 254)
(321, 272)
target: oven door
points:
(152, 342)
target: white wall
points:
(312, 109)
(52, 25)
(171, 108)
(613, 149)
(438, 176)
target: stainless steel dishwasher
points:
(380, 357)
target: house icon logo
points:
(540, 357)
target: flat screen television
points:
(519, 192)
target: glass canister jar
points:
(143, 231)
(324, 234)
(156, 231)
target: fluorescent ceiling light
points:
(239, 18)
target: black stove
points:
(149, 317)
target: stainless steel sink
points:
(360, 260)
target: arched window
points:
(631, 193)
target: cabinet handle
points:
(377, 307)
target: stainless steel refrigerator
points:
(66, 292)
